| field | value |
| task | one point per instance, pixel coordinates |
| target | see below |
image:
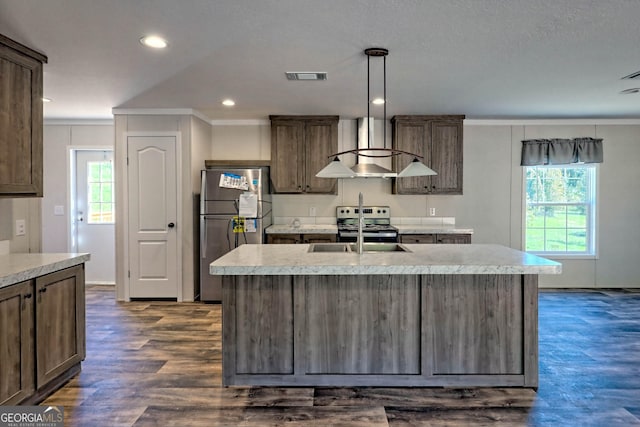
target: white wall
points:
(492, 203)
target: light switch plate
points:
(58, 210)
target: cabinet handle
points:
(24, 300)
(42, 290)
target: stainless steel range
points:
(377, 224)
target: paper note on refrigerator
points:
(248, 205)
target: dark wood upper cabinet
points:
(300, 147)
(439, 140)
(20, 120)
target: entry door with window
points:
(152, 200)
(95, 214)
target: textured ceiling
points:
(482, 58)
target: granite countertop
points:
(423, 259)
(333, 229)
(16, 268)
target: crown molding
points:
(547, 122)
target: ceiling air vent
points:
(632, 76)
(306, 75)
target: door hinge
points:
(129, 273)
(127, 161)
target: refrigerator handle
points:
(203, 191)
(203, 237)
(203, 225)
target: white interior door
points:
(95, 213)
(152, 200)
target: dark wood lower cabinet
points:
(16, 343)
(42, 335)
(60, 322)
(301, 238)
(381, 330)
(436, 238)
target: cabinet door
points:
(283, 238)
(411, 137)
(16, 343)
(319, 238)
(478, 325)
(454, 238)
(287, 156)
(446, 156)
(418, 238)
(20, 123)
(60, 322)
(321, 140)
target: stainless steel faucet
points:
(360, 222)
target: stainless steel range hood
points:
(371, 167)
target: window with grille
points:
(560, 209)
(100, 192)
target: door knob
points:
(171, 225)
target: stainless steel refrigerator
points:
(235, 208)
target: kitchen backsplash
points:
(434, 220)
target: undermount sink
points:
(329, 247)
(353, 247)
(379, 247)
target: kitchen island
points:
(434, 315)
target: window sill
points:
(554, 256)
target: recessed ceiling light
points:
(628, 91)
(378, 101)
(228, 102)
(155, 42)
(46, 99)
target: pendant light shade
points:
(416, 168)
(336, 169)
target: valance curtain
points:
(561, 151)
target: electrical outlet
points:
(312, 211)
(432, 211)
(21, 227)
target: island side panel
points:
(257, 332)
(264, 325)
(362, 324)
(531, 330)
(478, 326)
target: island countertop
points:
(422, 259)
(16, 268)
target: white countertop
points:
(333, 229)
(423, 259)
(16, 268)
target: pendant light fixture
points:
(367, 169)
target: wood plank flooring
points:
(159, 364)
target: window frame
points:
(592, 220)
(100, 184)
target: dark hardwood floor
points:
(159, 364)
